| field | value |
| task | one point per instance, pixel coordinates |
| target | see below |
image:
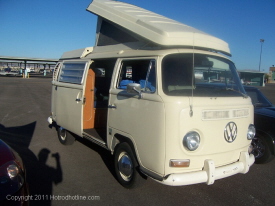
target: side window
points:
(138, 71)
(72, 72)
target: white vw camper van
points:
(163, 97)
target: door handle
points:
(112, 106)
(78, 100)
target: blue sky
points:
(46, 29)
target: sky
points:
(47, 29)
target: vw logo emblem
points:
(230, 132)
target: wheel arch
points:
(118, 139)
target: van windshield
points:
(200, 75)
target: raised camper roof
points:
(122, 23)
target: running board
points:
(95, 140)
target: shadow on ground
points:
(40, 176)
(104, 154)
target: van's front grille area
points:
(225, 114)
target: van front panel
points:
(210, 123)
(203, 98)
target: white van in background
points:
(163, 97)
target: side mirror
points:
(134, 88)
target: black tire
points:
(261, 150)
(126, 167)
(65, 137)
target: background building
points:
(271, 74)
(253, 78)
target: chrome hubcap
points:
(125, 166)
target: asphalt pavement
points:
(83, 173)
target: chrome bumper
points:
(209, 173)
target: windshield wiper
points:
(231, 89)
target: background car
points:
(8, 72)
(264, 119)
(12, 177)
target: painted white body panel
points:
(68, 112)
(143, 121)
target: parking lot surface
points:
(83, 173)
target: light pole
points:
(261, 41)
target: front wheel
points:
(261, 150)
(126, 166)
(65, 137)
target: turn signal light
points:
(180, 163)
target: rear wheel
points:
(126, 166)
(65, 137)
(261, 150)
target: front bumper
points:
(210, 173)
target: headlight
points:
(11, 179)
(251, 132)
(12, 170)
(191, 141)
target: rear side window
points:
(138, 71)
(72, 72)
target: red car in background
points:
(13, 186)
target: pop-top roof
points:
(154, 27)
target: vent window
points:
(72, 72)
